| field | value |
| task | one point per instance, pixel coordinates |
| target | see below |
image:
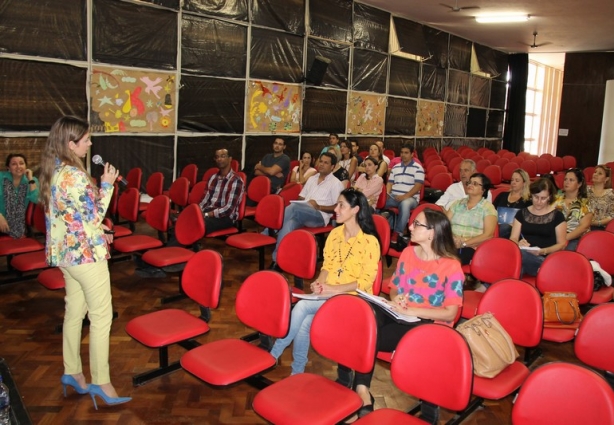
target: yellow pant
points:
(88, 290)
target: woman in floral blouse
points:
(77, 243)
(572, 201)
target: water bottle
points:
(5, 405)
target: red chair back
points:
(128, 204)
(481, 165)
(569, 161)
(389, 153)
(454, 162)
(270, 212)
(436, 169)
(190, 172)
(377, 283)
(190, 226)
(592, 346)
(420, 208)
(496, 259)
(543, 166)
(508, 155)
(290, 192)
(263, 303)
(201, 279)
(588, 174)
(38, 219)
(134, 178)
(598, 245)
(158, 213)
(493, 172)
(442, 181)
(347, 342)
(507, 171)
(180, 191)
(440, 372)
(501, 162)
(381, 200)
(530, 167)
(197, 193)
(258, 188)
(155, 184)
(234, 165)
(297, 254)
(112, 209)
(566, 271)
(556, 164)
(209, 172)
(505, 300)
(293, 163)
(383, 231)
(610, 227)
(564, 394)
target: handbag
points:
(561, 310)
(492, 348)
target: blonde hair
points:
(608, 174)
(64, 130)
(526, 194)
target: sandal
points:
(366, 409)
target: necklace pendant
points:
(339, 271)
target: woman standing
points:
(601, 197)
(77, 243)
(540, 226)
(370, 183)
(351, 255)
(382, 168)
(473, 218)
(18, 188)
(572, 201)
(427, 283)
(304, 170)
(508, 203)
(348, 161)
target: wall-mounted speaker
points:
(315, 75)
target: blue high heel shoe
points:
(95, 390)
(67, 380)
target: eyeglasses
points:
(474, 183)
(417, 223)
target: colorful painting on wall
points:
(429, 120)
(132, 101)
(366, 113)
(274, 107)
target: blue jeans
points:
(531, 263)
(295, 217)
(300, 324)
(405, 207)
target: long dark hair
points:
(364, 218)
(443, 239)
(582, 193)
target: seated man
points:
(404, 185)
(458, 190)
(220, 208)
(355, 148)
(275, 166)
(383, 148)
(320, 194)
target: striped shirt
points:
(404, 177)
(224, 194)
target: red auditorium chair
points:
(591, 344)
(158, 219)
(134, 178)
(258, 188)
(347, 342)
(197, 193)
(190, 172)
(202, 282)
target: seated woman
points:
(18, 188)
(540, 226)
(348, 161)
(351, 255)
(473, 218)
(427, 283)
(301, 172)
(382, 168)
(369, 183)
(572, 201)
(601, 197)
(508, 203)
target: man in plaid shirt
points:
(224, 193)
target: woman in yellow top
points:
(351, 254)
(77, 243)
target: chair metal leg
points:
(530, 355)
(179, 296)
(474, 404)
(164, 368)
(261, 258)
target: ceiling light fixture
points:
(501, 19)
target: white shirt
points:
(325, 193)
(453, 193)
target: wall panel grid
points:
(212, 73)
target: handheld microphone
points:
(97, 159)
